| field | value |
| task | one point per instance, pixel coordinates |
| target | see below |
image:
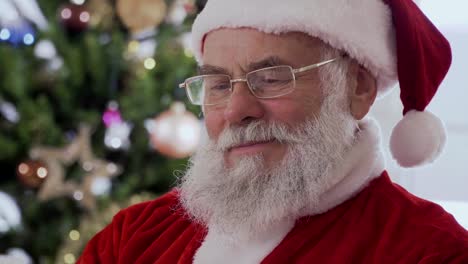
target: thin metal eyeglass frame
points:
(232, 81)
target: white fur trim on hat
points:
(362, 28)
(417, 139)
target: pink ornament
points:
(112, 115)
(175, 133)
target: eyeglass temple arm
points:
(313, 66)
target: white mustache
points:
(257, 132)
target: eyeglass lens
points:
(264, 83)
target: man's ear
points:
(362, 93)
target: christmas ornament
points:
(29, 10)
(117, 136)
(175, 133)
(140, 15)
(9, 14)
(10, 214)
(9, 112)
(75, 18)
(18, 34)
(32, 173)
(112, 114)
(45, 49)
(16, 256)
(101, 186)
(78, 2)
(118, 131)
(57, 159)
(15, 18)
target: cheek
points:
(294, 110)
(214, 123)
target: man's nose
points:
(242, 106)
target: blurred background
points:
(92, 119)
(91, 116)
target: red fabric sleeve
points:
(151, 232)
(103, 247)
(454, 256)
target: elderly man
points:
(291, 170)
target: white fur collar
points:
(362, 164)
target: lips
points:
(250, 143)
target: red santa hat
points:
(393, 39)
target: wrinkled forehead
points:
(247, 45)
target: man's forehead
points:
(256, 49)
(268, 61)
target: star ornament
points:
(96, 172)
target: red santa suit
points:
(362, 218)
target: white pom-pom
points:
(417, 139)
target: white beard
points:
(249, 198)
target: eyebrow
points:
(210, 69)
(267, 62)
(264, 63)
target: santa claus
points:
(292, 170)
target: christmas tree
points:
(91, 116)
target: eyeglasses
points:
(264, 83)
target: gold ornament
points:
(32, 173)
(56, 159)
(176, 132)
(140, 15)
